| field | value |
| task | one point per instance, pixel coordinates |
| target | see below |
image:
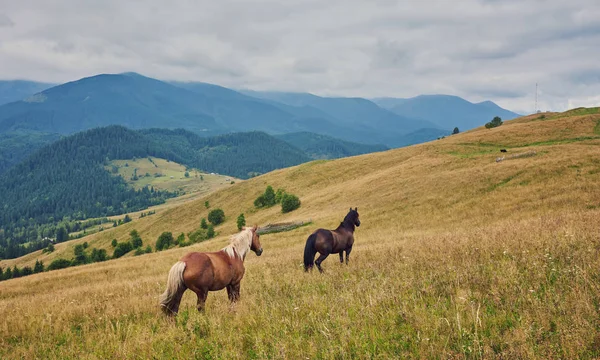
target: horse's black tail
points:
(310, 252)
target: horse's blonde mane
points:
(239, 244)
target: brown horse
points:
(202, 272)
(327, 242)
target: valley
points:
(458, 256)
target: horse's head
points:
(353, 216)
(256, 246)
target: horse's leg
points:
(202, 295)
(341, 257)
(320, 259)
(348, 254)
(233, 291)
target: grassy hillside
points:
(167, 175)
(458, 256)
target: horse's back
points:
(210, 270)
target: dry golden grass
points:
(458, 256)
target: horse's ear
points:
(350, 209)
(255, 228)
(356, 209)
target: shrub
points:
(38, 267)
(148, 249)
(279, 195)
(48, 249)
(59, 264)
(497, 121)
(289, 203)
(203, 224)
(455, 131)
(216, 216)
(139, 251)
(210, 232)
(80, 256)
(126, 219)
(98, 255)
(197, 236)
(26, 271)
(241, 221)
(122, 249)
(136, 240)
(164, 241)
(180, 239)
(267, 199)
(206, 203)
(114, 242)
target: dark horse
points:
(327, 242)
(202, 272)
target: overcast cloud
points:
(477, 49)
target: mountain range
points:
(140, 102)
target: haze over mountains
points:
(139, 102)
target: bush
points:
(139, 251)
(216, 216)
(80, 256)
(48, 249)
(164, 241)
(98, 255)
(267, 199)
(210, 232)
(59, 264)
(148, 249)
(455, 131)
(497, 121)
(38, 267)
(289, 203)
(241, 221)
(126, 219)
(279, 195)
(122, 249)
(26, 271)
(136, 240)
(114, 242)
(180, 239)
(203, 224)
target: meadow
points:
(458, 256)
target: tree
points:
(279, 195)
(164, 241)
(187, 174)
(455, 131)
(210, 232)
(216, 216)
(8, 274)
(126, 219)
(16, 272)
(497, 121)
(180, 238)
(203, 224)
(289, 203)
(98, 255)
(114, 242)
(26, 271)
(61, 234)
(122, 249)
(48, 249)
(136, 240)
(38, 267)
(59, 264)
(269, 196)
(241, 221)
(80, 256)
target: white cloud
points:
(478, 49)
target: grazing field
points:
(167, 175)
(458, 256)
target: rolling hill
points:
(15, 90)
(459, 255)
(446, 111)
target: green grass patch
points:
(503, 182)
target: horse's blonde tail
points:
(170, 299)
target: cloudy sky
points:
(477, 49)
